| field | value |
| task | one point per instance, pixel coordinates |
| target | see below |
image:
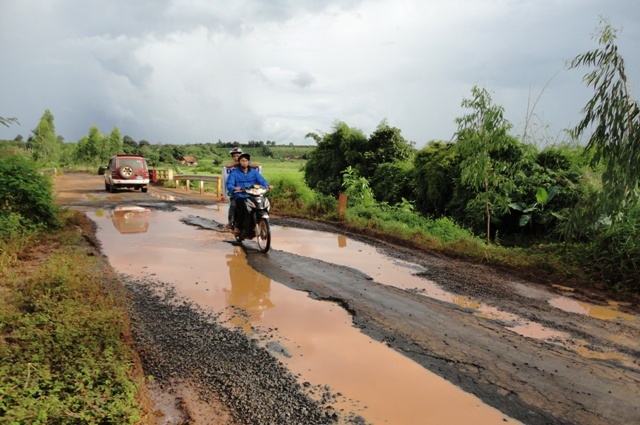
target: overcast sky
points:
(197, 71)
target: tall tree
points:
(43, 143)
(150, 153)
(436, 171)
(335, 152)
(129, 145)
(616, 117)
(385, 145)
(90, 148)
(114, 143)
(483, 145)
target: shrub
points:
(402, 220)
(63, 359)
(436, 176)
(26, 193)
(289, 195)
(323, 206)
(614, 252)
(393, 181)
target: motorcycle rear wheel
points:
(263, 235)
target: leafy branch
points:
(616, 116)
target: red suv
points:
(128, 171)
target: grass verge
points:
(65, 347)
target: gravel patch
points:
(178, 341)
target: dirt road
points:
(590, 374)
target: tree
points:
(114, 144)
(90, 148)
(347, 146)
(335, 152)
(385, 145)
(436, 172)
(616, 137)
(150, 154)
(129, 145)
(44, 145)
(486, 152)
(166, 154)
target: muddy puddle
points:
(389, 271)
(315, 339)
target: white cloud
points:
(188, 71)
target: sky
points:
(201, 71)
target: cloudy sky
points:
(196, 71)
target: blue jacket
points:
(237, 178)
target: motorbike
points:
(257, 222)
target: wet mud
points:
(581, 367)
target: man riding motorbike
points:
(235, 153)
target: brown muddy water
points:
(317, 340)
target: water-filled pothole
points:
(315, 339)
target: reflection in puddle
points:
(404, 275)
(320, 342)
(581, 348)
(163, 196)
(599, 312)
(130, 219)
(249, 291)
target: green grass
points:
(63, 359)
(281, 170)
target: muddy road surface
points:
(538, 351)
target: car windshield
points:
(134, 163)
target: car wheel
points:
(126, 172)
(144, 189)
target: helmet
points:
(244, 155)
(235, 150)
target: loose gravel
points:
(178, 341)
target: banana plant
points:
(542, 198)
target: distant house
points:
(189, 160)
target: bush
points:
(614, 253)
(402, 220)
(63, 359)
(323, 206)
(26, 193)
(436, 175)
(289, 195)
(393, 181)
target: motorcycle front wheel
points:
(263, 235)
